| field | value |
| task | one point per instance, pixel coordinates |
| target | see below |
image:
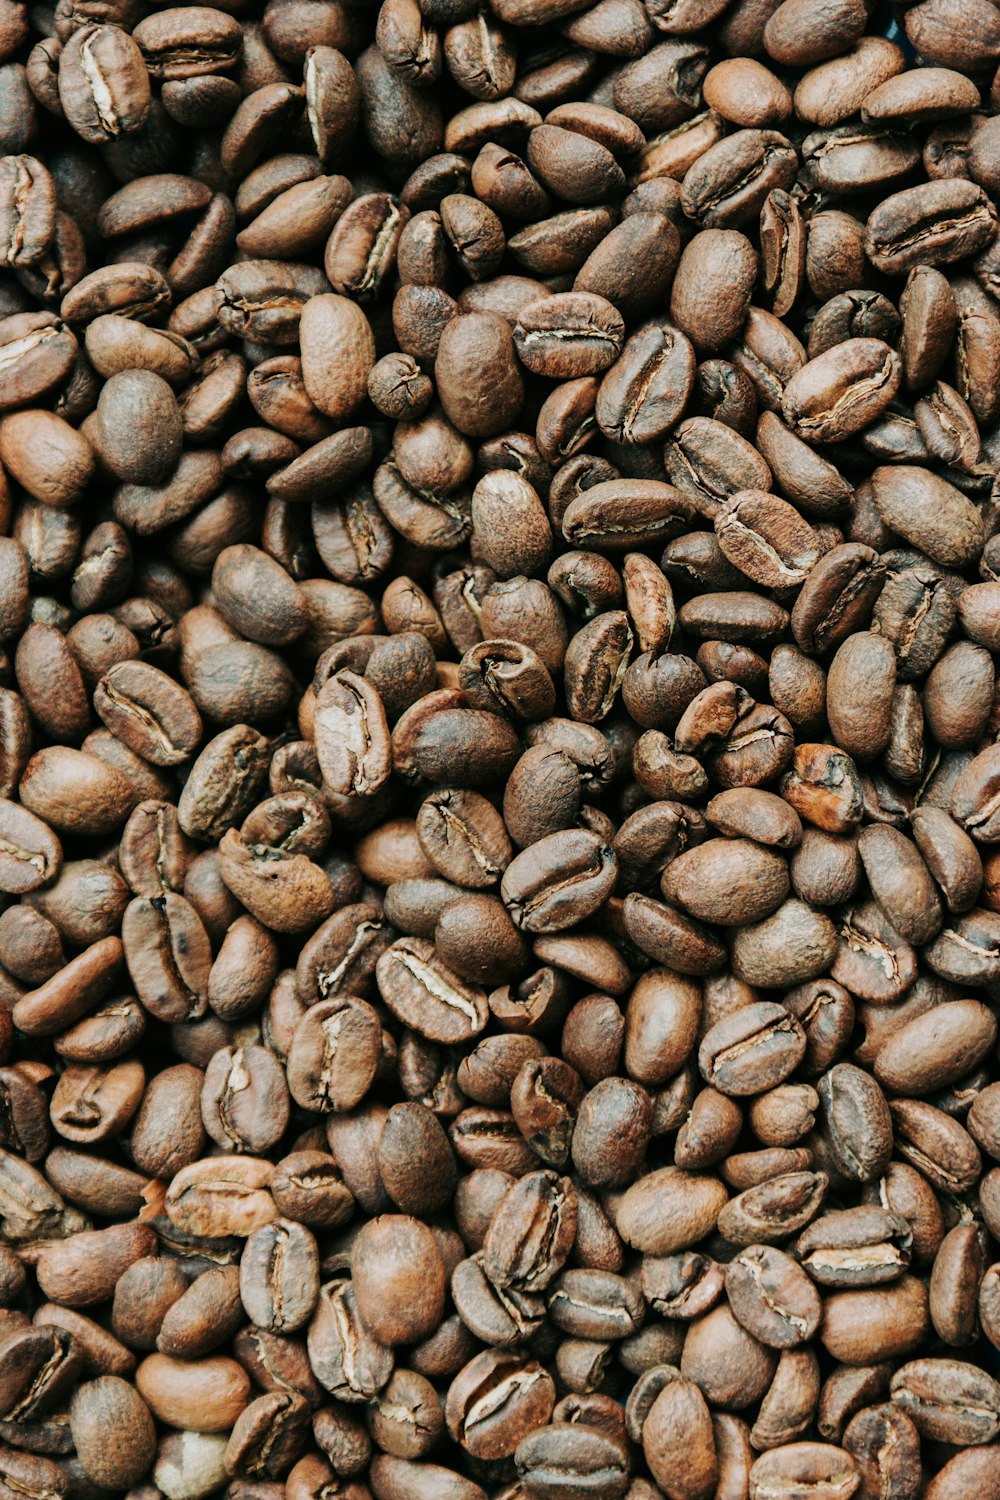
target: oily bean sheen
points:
(499, 750)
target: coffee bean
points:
(932, 507)
(103, 84)
(337, 355)
(772, 1298)
(841, 391)
(112, 1430)
(568, 335)
(525, 923)
(563, 1454)
(727, 186)
(752, 1050)
(812, 1468)
(495, 1401)
(646, 389)
(964, 1404)
(947, 219)
(677, 1435)
(421, 990)
(766, 539)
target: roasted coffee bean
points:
(645, 391)
(938, 518)
(842, 390)
(960, 1407)
(728, 184)
(855, 1247)
(104, 85)
(677, 1435)
(772, 1298)
(858, 1124)
(933, 224)
(568, 335)
(495, 1401)
(563, 965)
(564, 1454)
(818, 1469)
(752, 1050)
(766, 539)
(772, 1210)
(420, 989)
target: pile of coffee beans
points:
(499, 750)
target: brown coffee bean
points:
(52, 460)
(695, 1205)
(811, 1468)
(677, 1436)
(103, 83)
(82, 1270)
(771, 1210)
(559, 881)
(400, 1253)
(855, 1247)
(772, 1297)
(495, 1401)
(568, 335)
(644, 392)
(424, 993)
(338, 354)
(838, 393)
(727, 185)
(112, 1430)
(929, 512)
(766, 539)
(754, 1049)
(960, 1406)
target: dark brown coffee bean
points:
(643, 835)
(568, 335)
(752, 1050)
(766, 539)
(772, 1297)
(103, 83)
(728, 184)
(861, 728)
(932, 224)
(645, 391)
(838, 393)
(423, 992)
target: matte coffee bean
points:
(811, 1468)
(928, 512)
(677, 1434)
(103, 84)
(772, 1297)
(861, 728)
(963, 1407)
(113, 1431)
(947, 219)
(338, 354)
(643, 394)
(839, 392)
(752, 1050)
(421, 990)
(766, 539)
(568, 335)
